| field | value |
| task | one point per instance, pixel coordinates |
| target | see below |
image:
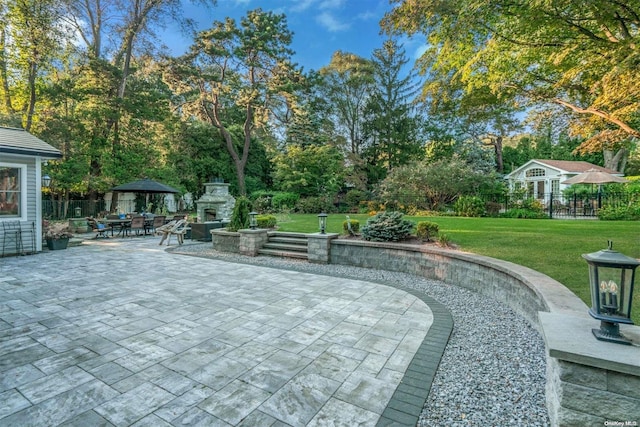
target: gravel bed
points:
(493, 368)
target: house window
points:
(12, 189)
(555, 186)
(535, 172)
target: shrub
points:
(266, 221)
(425, 230)
(387, 227)
(353, 198)
(351, 226)
(313, 205)
(620, 213)
(445, 242)
(523, 213)
(470, 206)
(282, 201)
(240, 215)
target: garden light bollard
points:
(253, 220)
(611, 277)
(322, 222)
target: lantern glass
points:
(322, 222)
(46, 181)
(611, 291)
(253, 220)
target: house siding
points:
(28, 221)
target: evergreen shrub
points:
(240, 215)
(425, 230)
(387, 227)
(266, 221)
(355, 226)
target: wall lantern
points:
(253, 220)
(46, 181)
(322, 222)
(611, 276)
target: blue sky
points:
(320, 27)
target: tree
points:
(311, 171)
(582, 55)
(232, 75)
(30, 39)
(348, 82)
(391, 124)
(433, 185)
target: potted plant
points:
(57, 235)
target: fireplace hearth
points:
(216, 203)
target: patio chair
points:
(138, 225)
(158, 221)
(100, 229)
(177, 228)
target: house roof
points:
(19, 141)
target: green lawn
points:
(552, 247)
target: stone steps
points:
(287, 245)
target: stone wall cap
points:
(570, 338)
(319, 235)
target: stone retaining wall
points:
(225, 241)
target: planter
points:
(225, 241)
(56, 244)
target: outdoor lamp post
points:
(46, 181)
(611, 276)
(322, 222)
(253, 220)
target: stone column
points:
(590, 382)
(252, 240)
(319, 247)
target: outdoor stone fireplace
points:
(216, 203)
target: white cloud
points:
(331, 23)
(301, 5)
(419, 51)
(367, 16)
(331, 4)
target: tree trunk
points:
(616, 160)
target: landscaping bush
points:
(283, 201)
(261, 200)
(355, 226)
(387, 227)
(470, 206)
(354, 197)
(425, 230)
(523, 213)
(240, 215)
(313, 205)
(266, 221)
(528, 208)
(620, 213)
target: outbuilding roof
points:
(567, 167)
(574, 166)
(19, 141)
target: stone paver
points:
(120, 332)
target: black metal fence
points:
(559, 205)
(56, 210)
